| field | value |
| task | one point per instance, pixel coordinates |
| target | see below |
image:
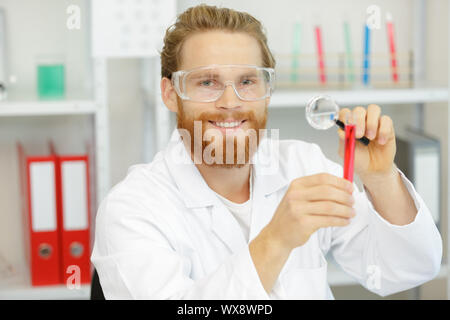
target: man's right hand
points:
(310, 203)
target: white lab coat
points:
(162, 233)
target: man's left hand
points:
(375, 161)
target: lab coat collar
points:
(194, 189)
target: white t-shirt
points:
(241, 211)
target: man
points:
(216, 218)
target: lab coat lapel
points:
(264, 207)
(269, 179)
(193, 188)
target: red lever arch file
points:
(73, 201)
(39, 190)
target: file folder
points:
(419, 158)
(39, 190)
(73, 202)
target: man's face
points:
(222, 48)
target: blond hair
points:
(206, 18)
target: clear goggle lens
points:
(207, 84)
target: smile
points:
(228, 124)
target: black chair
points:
(96, 288)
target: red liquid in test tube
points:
(349, 155)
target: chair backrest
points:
(96, 288)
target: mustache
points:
(222, 116)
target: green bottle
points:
(51, 81)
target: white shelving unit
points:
(24, 104)
(97, 107)
(20, 287)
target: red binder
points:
(73, 203)
(39, 190)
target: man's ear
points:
(168, 94)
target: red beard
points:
(232, 151)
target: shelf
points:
(18, 287)
(27, 103)
(290, 98)
(58, 292)
(45, 108)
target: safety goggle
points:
(208, 83)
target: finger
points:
(342, 117)
(386, 130)
(328, 193)
(343, 114)
(329, 208)
(317, 222)
(341, 134)
(359, 119)
(322, 179)
(373, 120)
